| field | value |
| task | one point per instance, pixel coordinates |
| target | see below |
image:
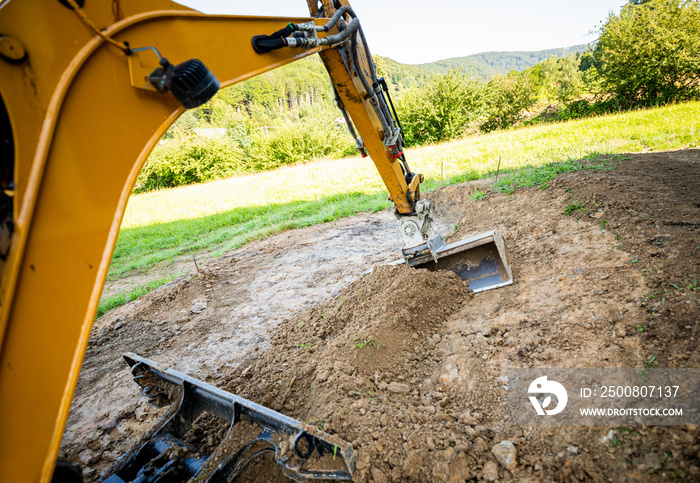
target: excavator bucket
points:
(479, 260)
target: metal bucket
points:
(479, 260)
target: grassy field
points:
(223, 215)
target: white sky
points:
(418, 31)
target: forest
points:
(648, 55)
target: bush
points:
(184, 160)
(507, 98)
(650, 53)
(442, 109)
(177, 163)
(295, 142)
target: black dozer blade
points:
(302, 451)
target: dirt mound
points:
(360, 362)
(409, 366)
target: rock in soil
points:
(505, 454)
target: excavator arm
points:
(82, 91)
(365, 97)
(365, 101)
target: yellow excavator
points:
(87, 89)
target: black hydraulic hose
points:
(385, 107)
(334, 20)
(370, 59)
(298, 40)
(402, 158)
(372, 95)
(263, 44)
(348, 121)
(385, 116)
(382, 110)
(354, 33)
(356, 62)
(385, 88)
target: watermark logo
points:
(603, 396)
(542, 386)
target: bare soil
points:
(410, 366)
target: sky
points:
(420, 31)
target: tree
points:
(507, 98)
(442, 109)
(557, 79)
(568, 80)
(650, 53)
(587, 62)
(182, 126)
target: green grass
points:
(143, 247)
(572, 208)
(539, 176)
(223, 215)
(478, 195)
(118, 300)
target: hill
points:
(401, 75)
(488, 64)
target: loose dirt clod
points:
(408, 365)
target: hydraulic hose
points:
(391, 127)
(336, 16)
(263, 44)
(391, 132)
(348, 121)
(359, 144)
(338, 38)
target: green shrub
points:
(507, 98)
(297, 142)
(442, 109)
(178, 163)
(185, 160)
(649, 54)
